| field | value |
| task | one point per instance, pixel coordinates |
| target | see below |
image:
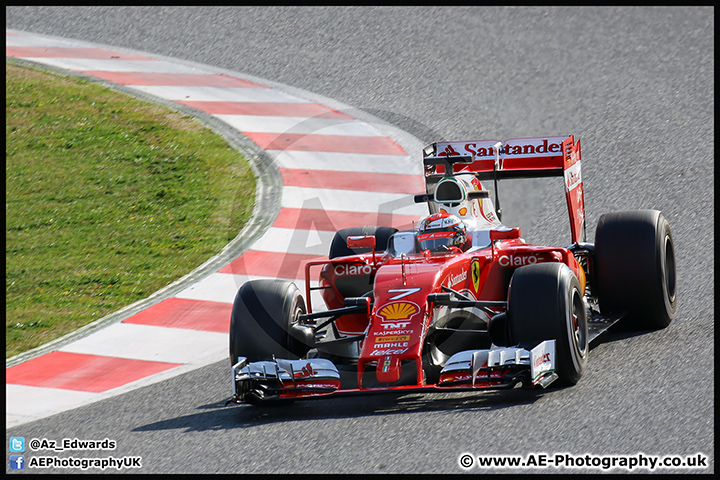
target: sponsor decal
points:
(307, 370)
(392, 345)
(449, 152)
(429, 236)
(580, 214)
(572, 152)
(455, 279)
(511, 261)
(527, 147)
(544, 147)
(533, 149)
(319, 385)
(394, 325)
(438, 221)
(398, 311)
(573, 178)
(475, 274)
(543, 358)
(343, 270)
(392, 338)
(388, 351)
(294, 389)
(398, 332)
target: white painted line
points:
(312, 125)
(28, 40)
(144, 66)
(218, 287)
(346, 162)
(351, 201)
(219, 94)
(151, 343)
(286, 240)
(24, 404)
(222, 287)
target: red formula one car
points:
(461, 302)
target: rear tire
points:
(264, 322)
(545, 303)
(635, 268)
(339, 248)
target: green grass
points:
(108, 199)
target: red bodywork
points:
(396, 327)
(379, 301)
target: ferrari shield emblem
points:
(475, 274)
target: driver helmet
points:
(440, 231)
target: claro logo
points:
(517, 260)
(343, 270)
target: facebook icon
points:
(17, 462)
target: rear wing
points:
(516, 158)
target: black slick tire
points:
(635, 269)
(264, 322)
(545, 303)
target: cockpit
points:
(461, 195)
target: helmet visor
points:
(433, 240)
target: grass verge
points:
(108, 199)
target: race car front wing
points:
(266, 381)
(262, 381)
(500, 367)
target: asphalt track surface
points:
(636, 85)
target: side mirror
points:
(363, 241)
(504, 233)
(367, 241)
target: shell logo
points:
(398, 311)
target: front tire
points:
(545, 303)
(265, 322)
(635, 268)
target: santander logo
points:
(455, 279)
(519, 147)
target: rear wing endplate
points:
(516, 158)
